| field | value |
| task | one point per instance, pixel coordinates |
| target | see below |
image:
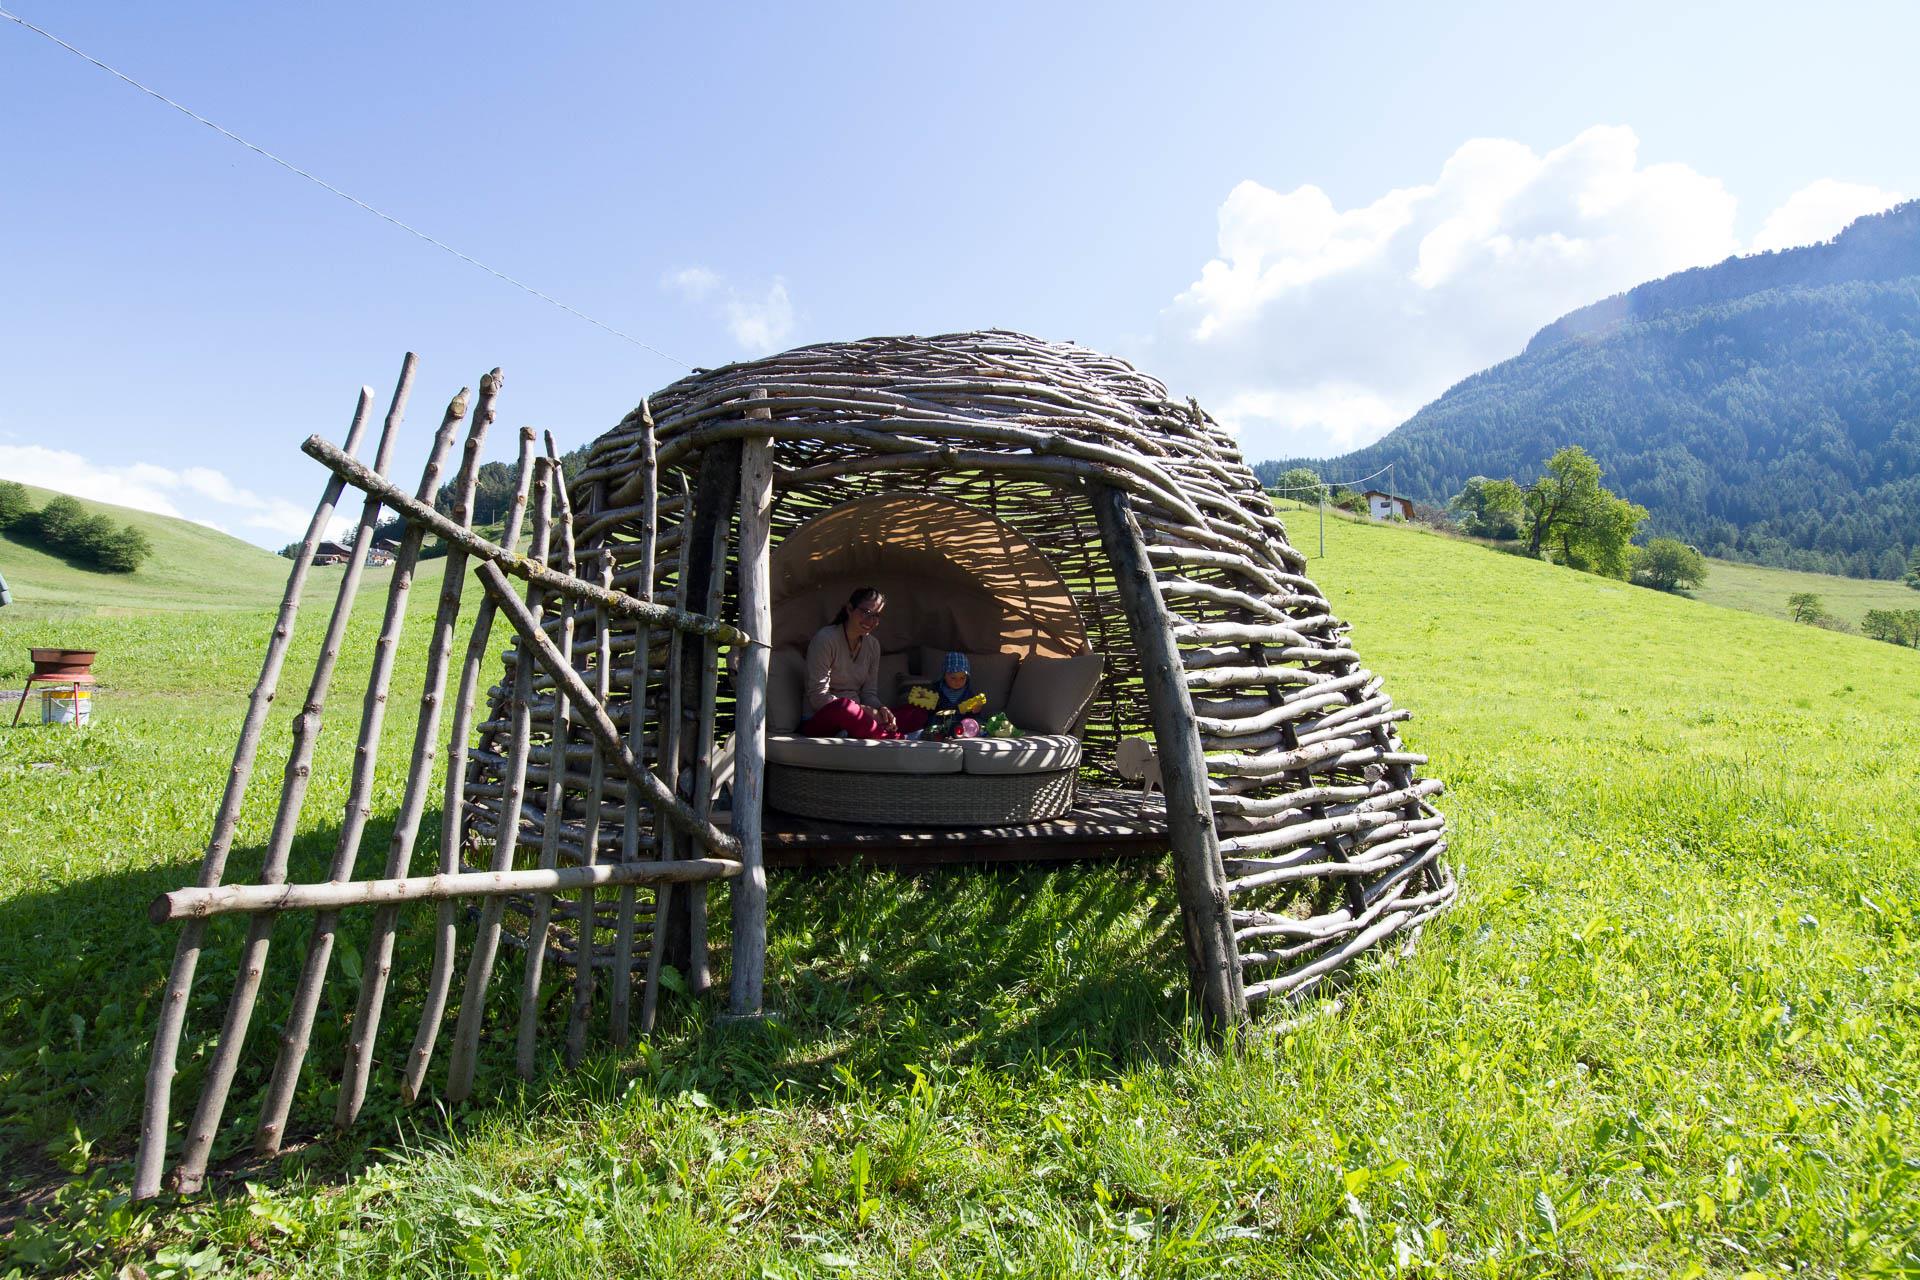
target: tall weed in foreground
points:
(1670, 1029)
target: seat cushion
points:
(1041, 753)
(862, 755)
(1050, 694)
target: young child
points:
(955, 686)
(956, 682)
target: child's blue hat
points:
(956, 661)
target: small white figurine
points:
(1137, 761)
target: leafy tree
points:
(1806, 607)
(1913, 571)
(123, 550)
(15, 504)
(1303, 484)
(1895, 626)
(1668, 564)
(59, 520)
(1567, 511)
(90, 537)
(1490, 508)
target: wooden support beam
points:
(1213, 957)
(332, 895)
(748, 976)
(716, 490)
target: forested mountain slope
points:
(1764, 409)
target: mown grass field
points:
(1763, 590)
(1670, 1030)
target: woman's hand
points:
(885, 716)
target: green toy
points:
(998, 726)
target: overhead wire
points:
(1331, 484)
(322, 183)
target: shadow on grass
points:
(1014, 969)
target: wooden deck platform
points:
(1104, 825)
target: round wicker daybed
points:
(1301, 835)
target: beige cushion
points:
(1038, 754)
(786, 678)
(863, 755)
(893, 673)
(992, 674)
(1050, 694)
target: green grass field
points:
(1670, 1030)
(1759, 589)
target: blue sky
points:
(1315, 218)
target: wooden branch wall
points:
(530, 825)
(579, 823)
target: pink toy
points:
(967, 728)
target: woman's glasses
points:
(871, 615)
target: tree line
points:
(1564, 515)
(64, 527)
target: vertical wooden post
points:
(453, 811)
(462, 1060)
(619, 999)
(540, 914)
(749, 891)
(715, 492)
(669, 770)
(1206, 918)
(377, 963)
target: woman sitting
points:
(843, 674)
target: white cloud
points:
(1316, 329)
(200, 494)
(1818, 211)
(760, 323)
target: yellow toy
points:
(922, 697)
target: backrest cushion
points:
(1051, 694)
(893, 674)
(786, 676)
(991, 673)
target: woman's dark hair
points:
(861, 597)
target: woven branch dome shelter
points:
(1301, 835)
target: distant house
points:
(1385, 506)
(340, 553)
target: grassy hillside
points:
(1761, 409)
(192, 567)
(1670, 1030)
(1759, 589)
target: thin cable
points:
(350, 199)
(1332, 484)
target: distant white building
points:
(1385, 506)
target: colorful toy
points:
(923, 697)
(998, 726)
